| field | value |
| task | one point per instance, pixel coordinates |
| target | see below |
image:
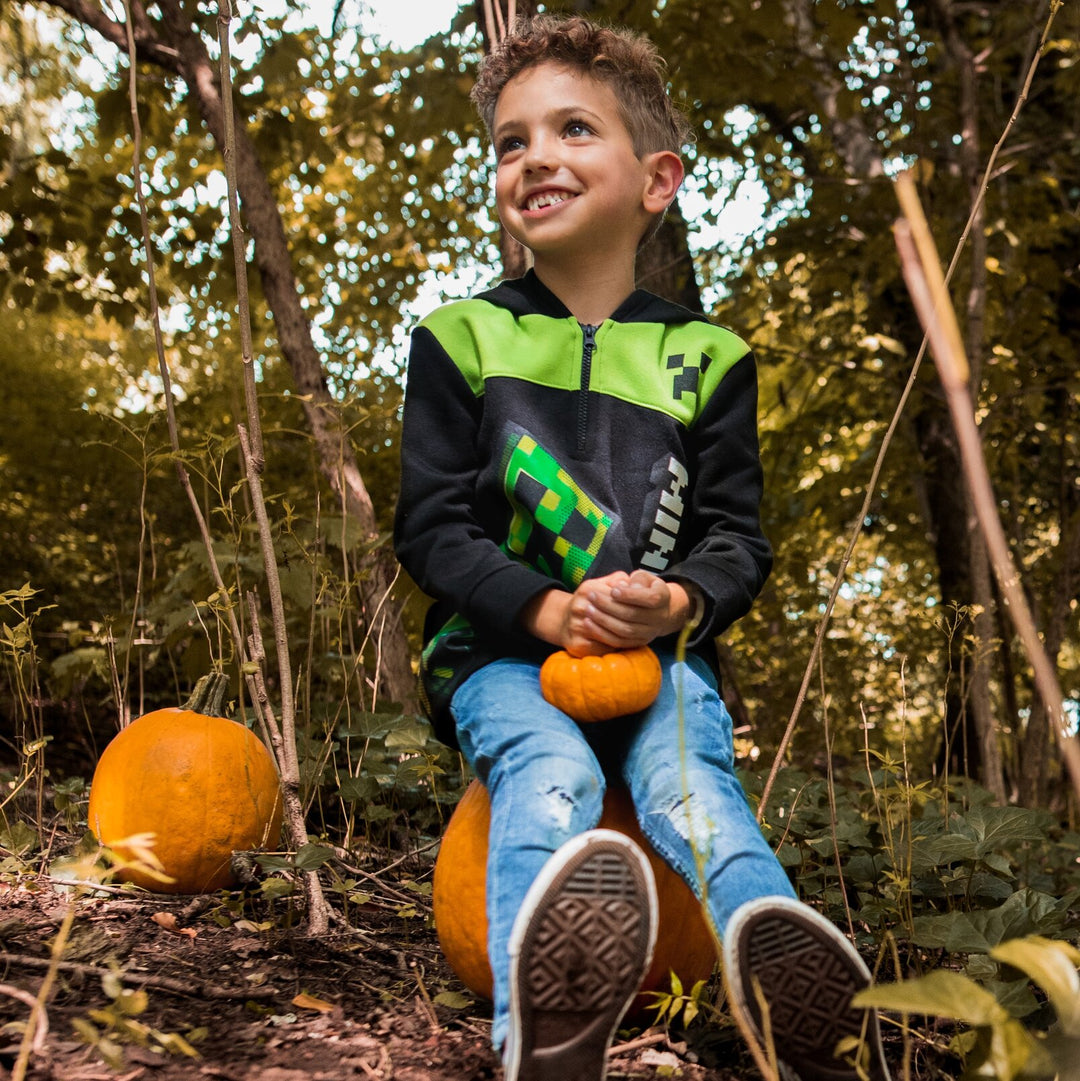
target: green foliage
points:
(939, 869)
(380, 169)
(996, 1045)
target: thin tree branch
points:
(254, 463)
(147, 45)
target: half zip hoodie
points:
(532, 462)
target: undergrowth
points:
(964, 907)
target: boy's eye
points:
(576, 128)
(510, 143)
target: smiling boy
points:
(580, 471)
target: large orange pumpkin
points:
(684, 944)
(206, 786)
(600, 688)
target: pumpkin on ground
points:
(684, 943)
(600, 688)
(205, 785)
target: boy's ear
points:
(665, 174)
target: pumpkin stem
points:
(208, 697)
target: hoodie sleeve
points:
(730, 558)
(438, 537)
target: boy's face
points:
(568, 184)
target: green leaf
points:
(1025, 912)
(354, 789)
(408, 737)
(310, 857)
(939, 994)
(1005, 1051)
(1053, 966)
(455, 1000)
(273, 888)
(19, 838)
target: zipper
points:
(588, 347)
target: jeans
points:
(545, 775)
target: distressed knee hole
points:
(689, 819)
(561, 804)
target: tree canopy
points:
(377, 171)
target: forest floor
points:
(253, 1000)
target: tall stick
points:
(926, 284)
(886, 442)
(318, 916)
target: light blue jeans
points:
(546, 778)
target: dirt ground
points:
(253, 999)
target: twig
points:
(189, 987)
(251, 443)
(650, 1039)
(401, 859)
(389, 891)
(163, 364)
(43, 1018)
(37, 1013)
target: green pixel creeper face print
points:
(556, 527)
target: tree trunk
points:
(175, 45)
(516, 260)
(983, 625)
(665, 265)
(971, 743)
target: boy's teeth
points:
(548, 198)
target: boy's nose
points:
(540, 155)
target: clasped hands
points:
(616, 611)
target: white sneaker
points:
(579, 949)
(808, 972)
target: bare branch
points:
(147, 45)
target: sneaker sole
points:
(578, 951)
(808, 972)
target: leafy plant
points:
(681, 1006)
(996, 1044)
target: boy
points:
(580, 470)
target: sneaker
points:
(579, 949)
(807, 972)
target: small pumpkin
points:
(684, 943)
(205, 785)
(600, 688)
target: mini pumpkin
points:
(600, 688)
(204, 785)
(684, 943)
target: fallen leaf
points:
(167, 921)
(309, 1002)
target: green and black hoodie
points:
(537, 452)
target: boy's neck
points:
(591, 294)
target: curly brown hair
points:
(628, 62)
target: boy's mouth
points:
(548, 198)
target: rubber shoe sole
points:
(807, 972)
(579, 949)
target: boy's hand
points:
(618, 611)
(623, 611)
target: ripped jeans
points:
(546, 778)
